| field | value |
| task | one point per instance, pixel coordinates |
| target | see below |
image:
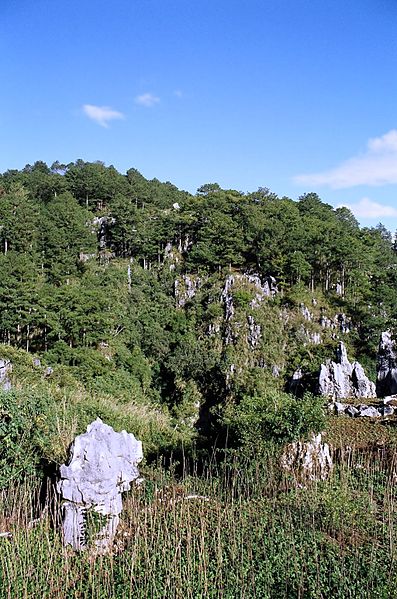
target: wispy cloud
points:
(367, 208)
(178, 93)
(148, 100)
(376, 166)
(102, 114)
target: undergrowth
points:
(236, 529)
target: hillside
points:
(203, 324)
(165, 311)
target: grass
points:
(237, 530)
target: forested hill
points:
(153, 296)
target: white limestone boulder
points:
(102, 465)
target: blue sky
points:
(294, 95)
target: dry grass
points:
(246, 531)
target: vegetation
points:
(248, 532)
(134, 301)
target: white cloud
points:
(376, 166)
(148, 100)
(178, 93)
(101, 114)
(367, 208)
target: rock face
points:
(101, 466)
(339, 322)
(5, 369)
(308, 460)
(341, 380)
(386, 380)
(185, 289)
(254, 332)
(264, 288)
(361, 411)
(296, 382)
(101, 225)
(304, 310)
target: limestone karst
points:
(101, 467)
(341, 379)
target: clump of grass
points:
(239, 529)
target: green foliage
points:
(245, 533)
(25, 421)
(275, 417)
(88, 263)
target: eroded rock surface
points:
(309, 460)
(386, 380)
(362, 410)
(185, 288)
(263, 288)
(102, 465)
(5, 370)
(341, 379)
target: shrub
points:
(276, 417)
(24, 433)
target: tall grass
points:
(239, 529)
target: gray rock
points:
(101, 226)
(326, 322)
(5, 370)
(386, 410)
(254, 332)
(276, 371)
(368, 411)
(362, 385)
(389, 398)
(315, 338)
(309, 461)
(343, 323)
(341, 379)
(295, 383)
(339, 407)
(352, 412)
(386, 367)
(185, 289)
(307, 315)
(101, 466)
(263, 289)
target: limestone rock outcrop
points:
(309, 460)
(361, 410)
(185, 288)
(386, 380)
(343, 380)
(5, 369)
(101, 466)
(263, 288)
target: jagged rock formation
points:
(386, 367)
(102, 465)
(362, 410)
(295, 383)
(304, 310)
(263, 289)
(254, 332)
(341, 379)
(185, 288)
(102, 224)
(309, 460)
(340, 322)
(5, 369)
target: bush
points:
(24, 430)
(275, 417)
